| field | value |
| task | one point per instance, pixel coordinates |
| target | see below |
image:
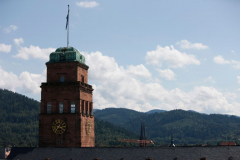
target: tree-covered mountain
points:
(19, 123)
(18, 119)
(187, 126)
(155, 111)
(107, 134)
(117, 116)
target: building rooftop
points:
(131, 153)
(66, 54)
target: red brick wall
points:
(72, 71)
(47, 138)
(56, 92)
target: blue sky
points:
(142, 55)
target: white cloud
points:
(10, 29)
(230, 95)
(171, 56)
(235, 64)
(220, 60)
(210, 79)
(187, 45)
(31, 82)
(34, 52)
(238, 77)
(167, 73)
(8, 80)
(5, 48)
(26, 82)
(18, 41)
(87, 4)
(115, 87)
(139, 71)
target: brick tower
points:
(66, 118)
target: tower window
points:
(49, 107)
(72, 107)
(60, 107)
(83, 109)
(82, 78)
(87, 109)
(91, 108)
(62, 79)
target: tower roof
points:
(66, 54)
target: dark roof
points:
(132, 153)
(2, 153)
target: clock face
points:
(59, 126)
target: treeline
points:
(187, 127)
(18, 119)
(19, 123)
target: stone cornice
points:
(82, 86)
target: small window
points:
(82, 78)
(62, 79)
(72, 107)
(83, 106)
(60, 107)
(49, 107)
(91, 108)
(86, 104)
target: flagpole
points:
(68, 28)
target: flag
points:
(67, 19)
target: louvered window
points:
(49, 107)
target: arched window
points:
(60, 107)
(72, 107)
(49, 107)
(62, 79)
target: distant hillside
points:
(155, 111)
(107, 134)
(187, 126)
(94, 110)
(19, 123)
(18, 119)
(117, 116)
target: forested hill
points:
(19, 123)
(18, 119)
(188, 127)
(118, 116)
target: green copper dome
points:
(66, 54)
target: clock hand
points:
(56, 128)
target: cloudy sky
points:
(142, 55)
